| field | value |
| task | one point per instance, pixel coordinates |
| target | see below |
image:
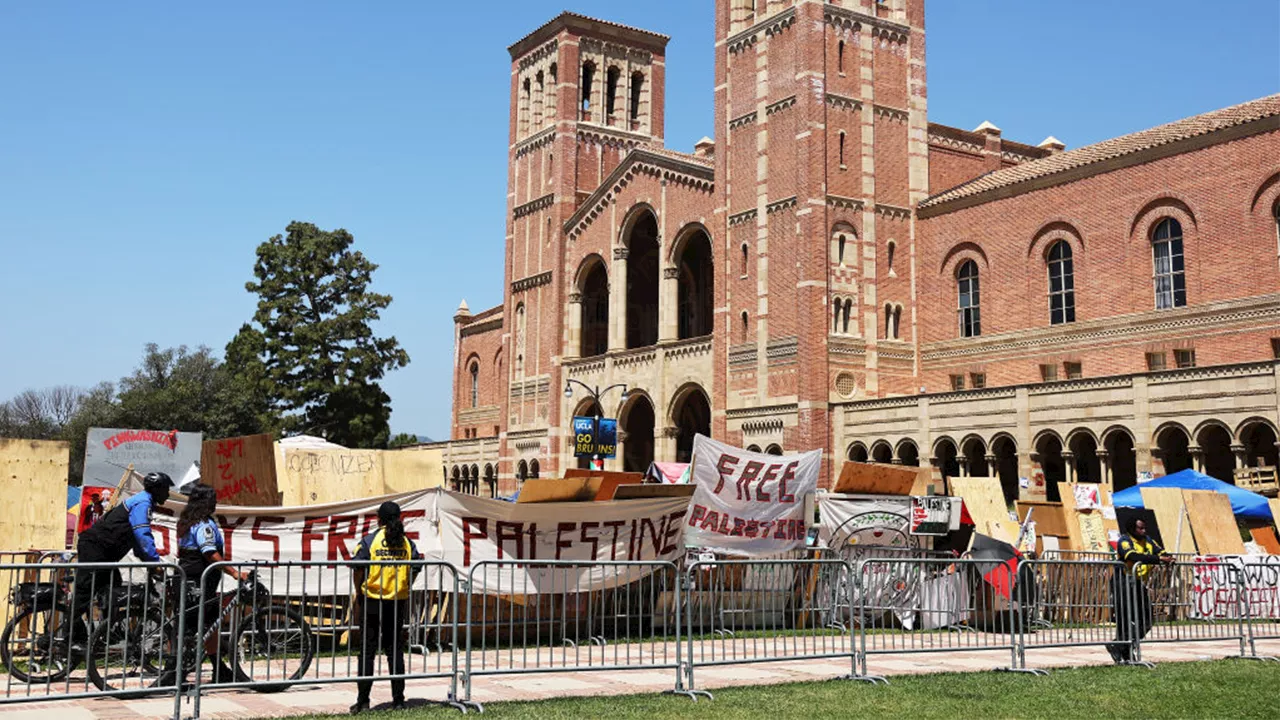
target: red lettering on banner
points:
(616, 525)
(513, 531)
(788, 473)
(711, 521)
(738, 525)
(669, 537)
(649, 529)
(770, 474)
(468, 535)
(780, 531)
(229, 531)
(595, 542)
(724, 468)
(561, 543)
(340, 541)
(724, 525)
(406, 517)
(752, 529)
(164, 545)
(750, 472)
(260, 536)
(309, 534)
(697, 513)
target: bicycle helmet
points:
(156, 482)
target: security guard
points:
(382, 601)
(1139, 553)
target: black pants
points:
(382, 625)
(89, 583)
(1132, 607)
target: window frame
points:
(475, 384)
(969, 288)
(1061, 269)
(1175, 259)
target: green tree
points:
(312, 332)
(403, 440)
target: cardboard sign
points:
(110, 450)
(595, 436)
(241, 469)
(1217, 587)
(1086, 497)
(749, 503)
(930, 515)
(1093, 536)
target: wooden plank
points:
(543, 490)
(34, 475)
(879, 479)
(1213, 523)
(1092, 533)
(1274, 504)
(1168, 505)
(1265, 536)
(610, 481)
(984, 499)
(317, 476)
(1048, 516)
(242, 470)
(1067, 492)
(413, 469)
(634, 492)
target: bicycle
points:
(264, 641)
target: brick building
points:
(835, 271)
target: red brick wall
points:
(949, 168)
(1230, 250)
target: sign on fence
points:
(1219, 581)
(749, 503)
(475, 529)
(241, 469)
(110, 450)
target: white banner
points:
(1217, 590)
(475, 529)
(748, 503)
(318, 533)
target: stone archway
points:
(1085, 464)
(1122, 461)
(975, 457)
(595, 310)
(773, 449)
(642, 281)
(1005, 451)
(1049, 449)
(691, 416)
(1174, 448)
(695, 287)
(947, 458)
(637, 422)
(1217, 460)
(908, 453)
(1259, 441)
(858, 453)
(881, 453)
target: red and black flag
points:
(999, 562)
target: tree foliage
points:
(311, 348)
(403, 440)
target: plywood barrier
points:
(541, 490)
(1213, 523)
(857, 478)
(985, 500)
(319, 476)
(610, 481)
(1265, 536)
(34, 476)
(242, 470)
(1046, 515)
(412, 469)
(1169, 506)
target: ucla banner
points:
(749, 503)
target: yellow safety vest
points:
(391, 581)
(1130, 545)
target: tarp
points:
(669, 473)
(1244, 503)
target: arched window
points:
(888, 321)
(1062, 284)
(533, 469)
(1170, 277)
(611, 77)
(522, 471)
(539, 99)
(745, 320)
(745, 256)
(891, 249)
(526, 101)
(588, 79)
(773, 450)
(1275, 212)
(840, 56)
(837, 305)
(848, 312)
(841, 148)
(475, 384)
(637, 87)
(967, 286)
(520, 339)
(840, 241)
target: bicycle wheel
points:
(129, 652)
(273, 644)
(33, 645)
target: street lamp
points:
(595, 392)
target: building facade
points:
(833, 270)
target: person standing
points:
(94, 512)
(1130, 601)
(382, 601)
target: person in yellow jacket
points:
(1130, 601)
(382, 601)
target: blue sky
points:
(146, 148)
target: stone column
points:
(1069, 465)
(992, 470)
(1241, 460)
(664, 443)
(1197, 457)
(669, 305)
(616, 465)
(1104, 462)
(573, 339)
(618, 300)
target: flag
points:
(999, 566)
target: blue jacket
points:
(125, 527)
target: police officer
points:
(382, 601)
(125, 528)
(1130, 601)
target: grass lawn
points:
(1218, 689)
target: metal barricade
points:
(916, 605)
(1072, 603)
(1188, 602)
(1260, 587)
(568, 616)
(761, 611)
(257, 631)
(127, 649)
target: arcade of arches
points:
(1212, 448)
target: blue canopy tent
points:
(1244, 503)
